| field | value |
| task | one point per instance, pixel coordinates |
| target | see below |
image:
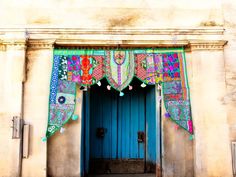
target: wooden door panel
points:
(123, 127)
(131, 120)
(121, 118)
(151, 133)
(134, 127)
(103, 115)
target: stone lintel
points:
(121, 43)
(189, 45)
(45, 38)
(127, 31)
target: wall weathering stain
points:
(125, 20)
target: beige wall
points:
(36, 94)
(108, 14)
(230, 65)
(211, 128)
(195, 24)
(11, 58)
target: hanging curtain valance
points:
(86, 67)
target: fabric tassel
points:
(143, 85)
(167, 115)
(75, 117)
(121, 94)
(191, 137)
(130, 87)
(44, 139)
(99, 83)
(62, 130)
(159, 87)
(176, 127)
(108, 87)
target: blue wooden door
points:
(122, 129)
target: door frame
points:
(85, 133)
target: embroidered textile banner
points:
(86, 67)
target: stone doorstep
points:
(124, 175)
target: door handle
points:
(100, 132)
(141, 137)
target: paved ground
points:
(124, 175)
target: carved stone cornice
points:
(39, 44)
(126, 31)
(207, 45)
(207, 38)
(2, 47)
(13, 39)
(14, 44)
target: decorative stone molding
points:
(126, 31)
(121, 43)
(207, 38)
(39, 44)
(190, 38)
(18, 44)
(2, 47)
(207, 45)
(13, 39)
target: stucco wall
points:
(108, 14)
(211, 128)
(230, 65)
(211, 76)
(10, 105)
(36, 94)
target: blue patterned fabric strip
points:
(54, 79)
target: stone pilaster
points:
(2, 47)
(12, 59)
(39, 67)
(208, 87)
(15, 55)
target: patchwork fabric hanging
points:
(176, 90)
(86, 67)
(119, 68)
